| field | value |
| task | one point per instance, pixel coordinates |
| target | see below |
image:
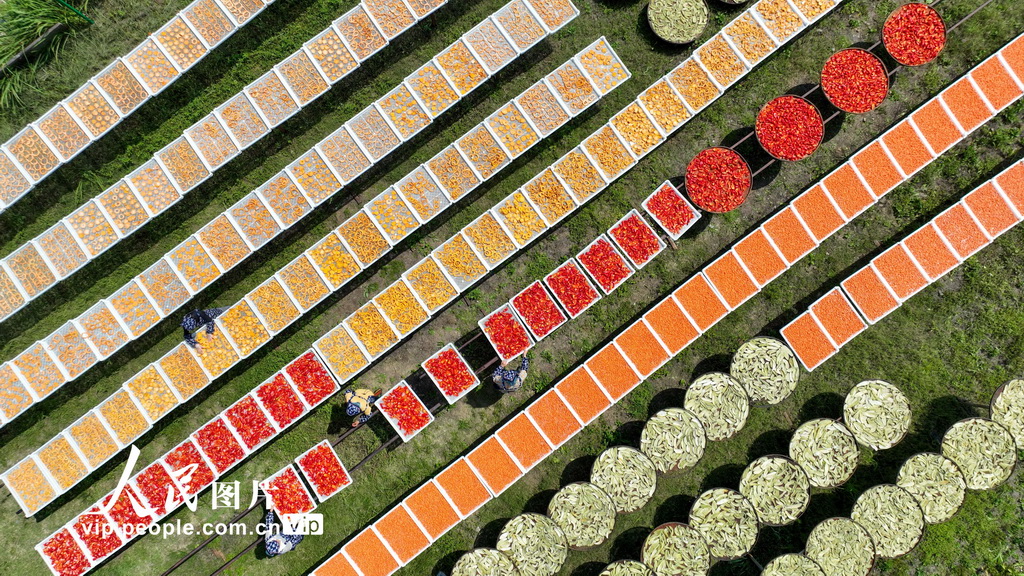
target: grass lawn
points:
(951, 345)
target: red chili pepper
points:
(184, 456)
(153, 484)
(311, 378)
(452, 375)
(123, 512)
(637, 239)
(91, 529)
(249, 421)
(669, 208)
(914, 34)
(280, 400)
(571, 288)
(854, 80)
(789, 128)
(536, 307)
(507, 334)
(605, 265)
(718, 179)
(65, 555)
(219, 445)
(287, 493)
(324, 470)
(402, 406)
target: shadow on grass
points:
(716, 363)
(628, 544)
(668, 398)
(724, 476)
(488, 535)
(770, 442)
(447, 562)
(578, 470)
(589, 569)
(538, 503)
(824, 405)
(675, 508)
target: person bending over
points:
(195, 321)
(510, 380)
(359, 402)
(276, 542)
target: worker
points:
(277, 542)
(510, 380)
(360, 402)
(195, 320)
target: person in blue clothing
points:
(195, 321)
(276, 542)
(510, 380)
(359, 402)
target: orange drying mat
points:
(931, 252)
(463, 487)
(671, 325)
(553, 418)
(401, 533)
(494, 465)
(583, 395)
(1013, 53)
(1011, 181)
(700, 302)
(907, 147)
(641, 347)
(808, 341)
(966, 104)
(731, 281)
(838, 317)
(789, 235)
(336, 565)
(937, 126)
(877, 169)
(991, 209)
(899, 271)
(818, 212)
(962, 232)
(524, 441)
(612, 372)
(430, 507)
(370, 556)
(868, 292)
(848, 192)
(759, 257)
(996, 83)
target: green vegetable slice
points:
(626, 475)
(584, 513)
(892, 518)
(676, 550)
(841, 547)
(767, 369)
(792, 565)
(826, 450)
(1008, 409)
(720, 402)
(936, 483)
(673, 439)
(984, 450)
(535, 544)
(778, 489)
(484, 562)
(726, 520)
(877, 413)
